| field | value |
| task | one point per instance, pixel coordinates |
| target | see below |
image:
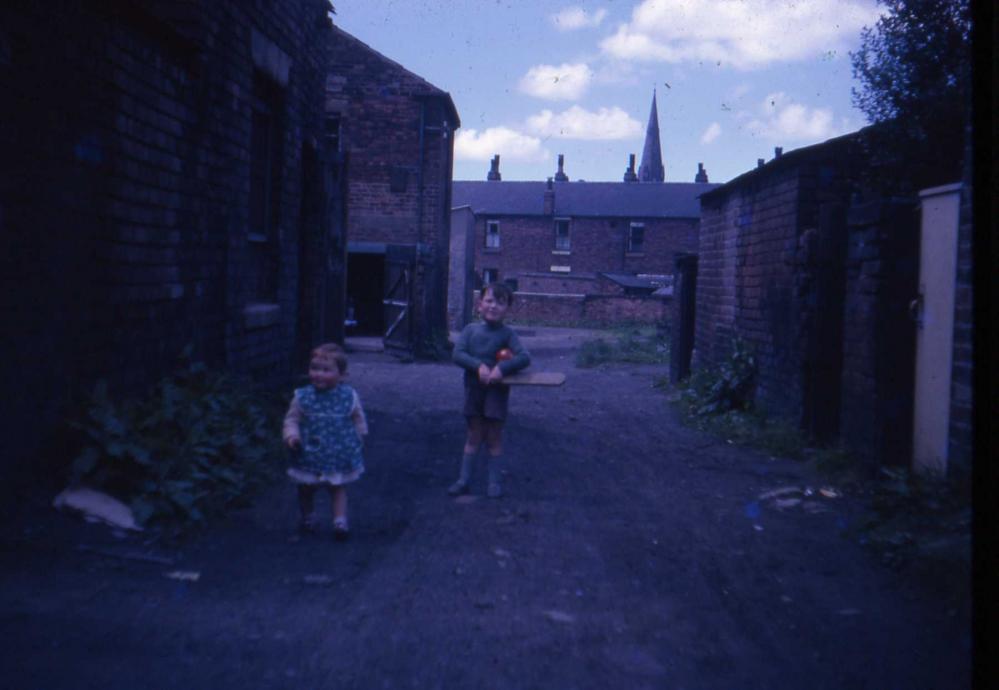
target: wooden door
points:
(933, 311)
(398, 302)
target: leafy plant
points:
(199, 442)
(729, 386)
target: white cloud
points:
(557, 82)
(782, 120)
(579, 123)
(572, 18)
(472, 145)
(711, 133)
(745, 34)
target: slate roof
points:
(595, 199)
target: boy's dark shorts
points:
(490, 402)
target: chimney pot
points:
(560, 176)
(760, 162)
(629, 174)
(778, 151)
(702, 174)
(494, 173)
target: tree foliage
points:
(914, 69)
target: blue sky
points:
(532, 79)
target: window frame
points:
(492, 223)
(486, 272)
(565, 247)
(630, 247)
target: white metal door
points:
(933, 310)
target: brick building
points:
(817, 275)
(395, 135)
(164, 185)
(581, 238)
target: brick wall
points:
(554, 309)
(878, 335)
(125, 192)
(770, 260)
(396, 131)
(527, 244)
(745, 283)
(554, 283)
(962, 372)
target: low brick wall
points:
(574, 309)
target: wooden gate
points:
(400, 261)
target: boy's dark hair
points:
(331, 352)
(501, 293)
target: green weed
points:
(645, 345)
(198, 443)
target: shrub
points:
(198, 443)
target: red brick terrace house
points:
(562, 245)
(578, 238)
(395, 135)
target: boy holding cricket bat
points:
(487, 351)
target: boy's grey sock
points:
(464, 475)
(495, 488)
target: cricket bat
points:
(535, 378)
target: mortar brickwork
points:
(125, 196)
(396, 131)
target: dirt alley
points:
(628, 552)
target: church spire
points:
(652, 169)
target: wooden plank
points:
(535, 378)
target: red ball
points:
(504, 354)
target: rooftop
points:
(595, 199)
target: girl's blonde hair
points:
(331, 352)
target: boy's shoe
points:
(494, 490)
(458, 488)
(340, 531)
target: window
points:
(492, 234)
(560, 269)
(489, 275)
(562, 234)
(636, 237)
(332, 127)
(266, 155)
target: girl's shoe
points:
(307, 525)
(458, 488)
(340, 530)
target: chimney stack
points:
(702, 174)
(549, 199)
(560, 176)
(629, 174)
(494, 173)
(778, 151)
(760, 162)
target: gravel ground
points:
(628, 552)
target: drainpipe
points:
(419, 180)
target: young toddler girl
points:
(325, 426)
